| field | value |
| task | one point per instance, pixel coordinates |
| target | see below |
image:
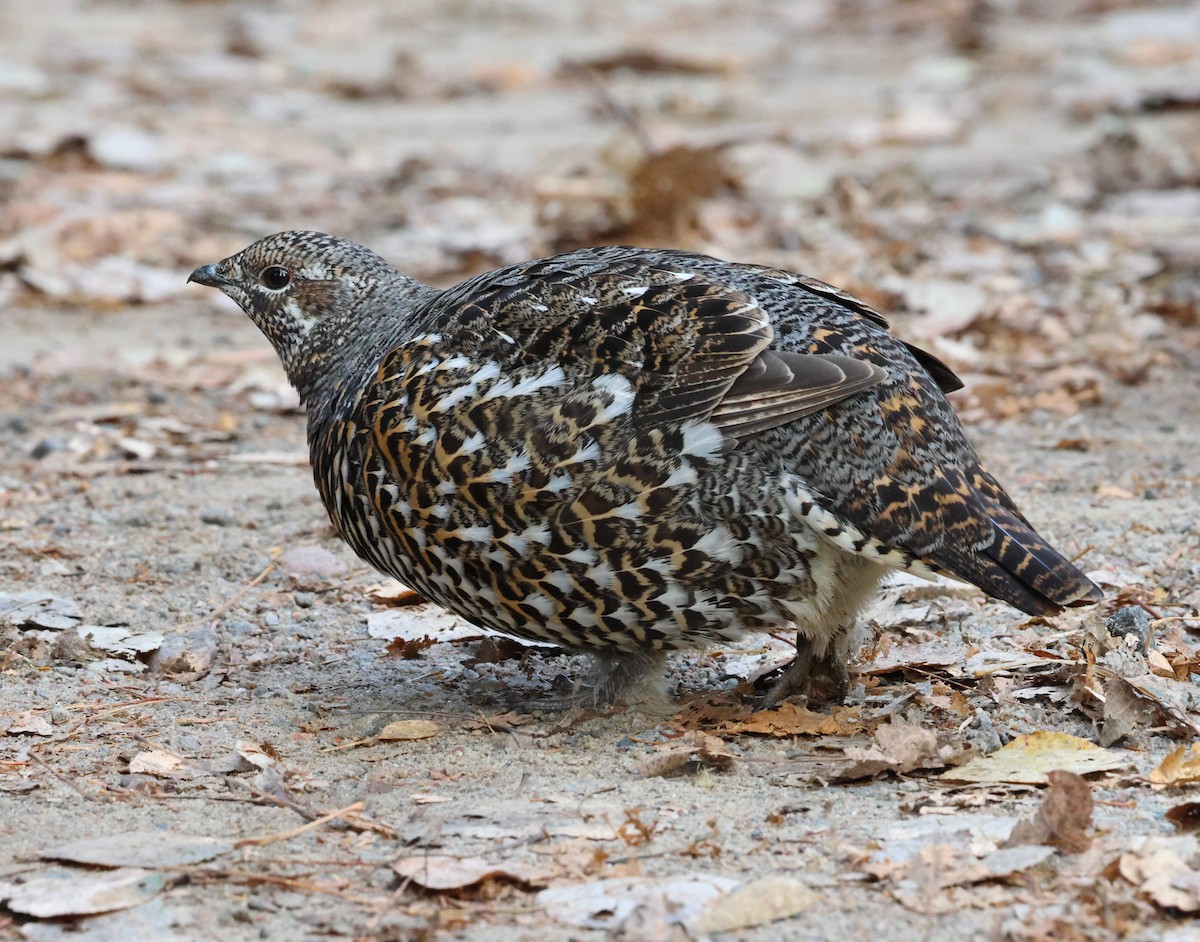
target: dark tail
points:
(1019, 566)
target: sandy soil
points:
(1017, 189)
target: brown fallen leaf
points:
(408, 649)
(393, 594)
(1124, 711)
(499, 722)
(688, 753)
(1180, 767)
(791, 720)
(1062, 820)
(444, 874)
(1185, 817)
(898, 747)
(1159, 869)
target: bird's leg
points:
(633, 678)
(823, 677)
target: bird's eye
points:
(275, 277)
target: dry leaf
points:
(688, 753)
(1177, 699)
(791, 720)
(1180, 767)
(607, 904)
(148, 849)
(1185, 817)
(408, 648)
(1063, 819)
(441, 874)
(1158, 868)
(73, 893)
(1028, 760)
(31, 723)
(393, 594)
(898, 747)
(406, 730)
(499, 722)
(426, 798)
(155, 762)
(928, 654)
(1124, 711)
(258, 755)
(762, 901)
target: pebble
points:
(127, 148)
(306, 561)
(217, 516)
(1130, 620)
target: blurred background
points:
(1014, 179)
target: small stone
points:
(190, 653)
(127, 148)
(46, 447)
(301, 562)
(216, 516)
(1130, 620)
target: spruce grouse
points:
(628, 451)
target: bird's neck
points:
(341, 352)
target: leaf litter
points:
(1061, 285)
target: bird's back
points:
(534, 453)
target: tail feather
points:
(1024, 570)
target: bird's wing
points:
(691, 345)
(896, 465)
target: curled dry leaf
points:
(1180, 767)
(1028, 760)
(1063, 819)
(1125, 710)
(689, 752)
(408, 649)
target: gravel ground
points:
(186, 648)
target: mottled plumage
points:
(628, 451)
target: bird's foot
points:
(823, 680)
(634, 679)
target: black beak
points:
(207, 275)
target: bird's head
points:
(310, 293)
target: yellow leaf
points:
(1178, 768)
(407, 729)
(1028, 760)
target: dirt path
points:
(187, 649)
